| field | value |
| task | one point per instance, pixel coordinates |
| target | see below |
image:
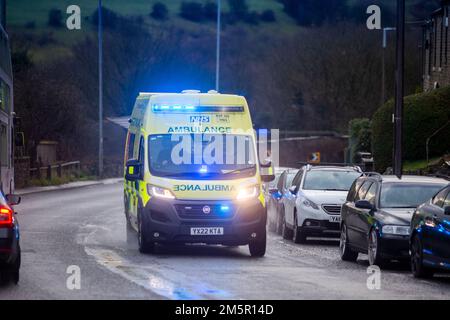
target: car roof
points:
(413, 179)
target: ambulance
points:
(192, 173)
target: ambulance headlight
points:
(159, 192)
(248, 193)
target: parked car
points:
(10, 255)
(430, 236)
(377, 214)
(275, 203)
(312, 207)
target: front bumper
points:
(394, 247)
(320, 228)
(172, 220)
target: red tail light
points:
(6, 216)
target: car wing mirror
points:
(293, 189)
(447, 210)
(133, 170)
(364, 204)
(13, 199)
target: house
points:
(436, 49)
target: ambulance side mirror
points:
(133, 170)
(267, 178)
(266, 164)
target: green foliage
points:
(55, 18)
(160, 11)
(268, 16)
(424, 114)
(360, 136)
(192, 11)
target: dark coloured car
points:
(430, 236)
(9, 239)
(377, 215)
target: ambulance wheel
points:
(258, 247)
(145, 246)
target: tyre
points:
(417, 267)
(298, 236)
(346, 253)
(145, 245)
(286, 233)
(258, 247)
(373, 250)
(280, 216)
(15, 269)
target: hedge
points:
(424, 114)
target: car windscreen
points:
(202, 156)
(406, 195)
(339, 180)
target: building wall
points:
(437, 49)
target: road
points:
(85, 227)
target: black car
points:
(9, 239)
(274, 203)
(377, 215)
(430, 236)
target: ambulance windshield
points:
(202, 156)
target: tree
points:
(159, 11)
(210, 11)
(238, 9)
(55, 18)
(192, 11)
(268, 16)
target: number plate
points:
(211, 231)
(335, 219)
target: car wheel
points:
(346, 253)
(258, 247)
(298, 235)
(280, 222)
(145, 246)
(286, 233)
(417, 267)
(373, 250)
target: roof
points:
(414, 179)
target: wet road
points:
(85, 227)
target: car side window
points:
(354, 189)
(447, 200)
(363, 190)
(131, 139)
(439, 199)
(281, 181)
(297, 179)
(372, 193)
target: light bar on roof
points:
(166, 108)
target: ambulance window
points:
(141, 151)
(131, 138)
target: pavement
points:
(67, 186)
(84, 229)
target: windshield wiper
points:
(239, 170)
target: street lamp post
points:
(219, 16)
(100, 89)
(383, 75)
(399, 90)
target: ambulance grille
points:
(202, 212)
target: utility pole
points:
(219, 26)
(383, 63)
(100, 90)
(399, 90)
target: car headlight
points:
(248, 193)
(159, 192)
(397, 230)
(308, 203)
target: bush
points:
(30, 25)
(55, 18)
(160, 11)
(252, 18)
(210, 11)
(238, 9)
(268, 16)
(360, 137)
(192, 11)
(424, 114)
